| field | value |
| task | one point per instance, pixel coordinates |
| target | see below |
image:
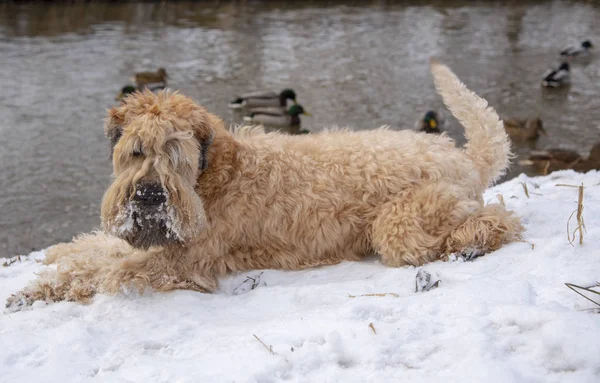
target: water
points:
(361, 66)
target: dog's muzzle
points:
(149, 220)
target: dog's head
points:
(159, 147)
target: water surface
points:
(361, 66)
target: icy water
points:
(361, 66)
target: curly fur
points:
(286, 202)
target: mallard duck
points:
(128, 89)
(145, 78)
(582, 50)
(430, 123)
(528, 129)
(550, 160)
(253, 100)
(274, 118)
(555, 78)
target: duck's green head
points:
(125, 91)
(287, 94)
(296, 110)
(431, 120)
(430, 123)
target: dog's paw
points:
(466, 255)
(18, 302)
(425, 281)
(471, 253)
(249, 284)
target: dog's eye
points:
(137, 153)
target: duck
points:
(430, 123)
(129, 88)
(253, 100)
(524, 130)
(288, 120)
(146, 78)
(582, 50)
(125, 91)
(555, 78)
(550, 160)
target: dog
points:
(192, 201)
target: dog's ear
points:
(113, 128)
(205, 129)
(114, 135)
(204, 146)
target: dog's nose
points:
(150, 194)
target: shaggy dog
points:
(191, 201)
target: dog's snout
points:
(150, 194)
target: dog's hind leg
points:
(484, 231)
(426, 222)
(411, 229)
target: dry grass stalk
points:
(530, 244)
(374, 295)
(10, 261)
(525, 188)
(269, 348)
(589, 289)
(373, 328)
(545, 171)
(501, 199)
(580, 222)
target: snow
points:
(503, 317)
(133, 213)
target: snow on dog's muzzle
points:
(147, 219)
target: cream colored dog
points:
(192, 201)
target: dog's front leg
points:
(80, 276)
(160, 271)
(77, 277)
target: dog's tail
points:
(487, 143)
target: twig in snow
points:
(529, 243)
(269, 348)
(576, 186)
(374, 295)
(588, 289)
(580, 222)
(525, 188)
(373, 328)
(545, 171)
(11, 261)
(501, 199)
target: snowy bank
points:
(505, 317)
